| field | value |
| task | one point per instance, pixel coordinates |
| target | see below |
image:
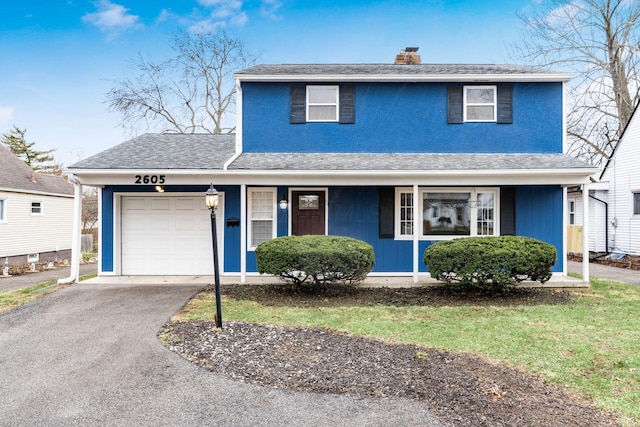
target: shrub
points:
(320, 259)
(498, 261)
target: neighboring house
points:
(399, 156)
(35, 214)
(614, 204)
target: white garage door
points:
(168, 235)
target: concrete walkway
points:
(88, 355)
(32, 279)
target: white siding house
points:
(614, 219)
(35, 213)
(622, 173)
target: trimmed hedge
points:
(497, 261)
(317, 258)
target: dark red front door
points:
(307, 212)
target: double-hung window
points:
(448, 213)
(262, 215)
(572, 212)
(322, 103)
(480, 103)
(636, 203)
(3, 210)
(36, 208)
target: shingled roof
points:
(393, 72)
(165, 151)
(17, 176)
(211, 152)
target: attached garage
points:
(167, 235)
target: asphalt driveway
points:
(88, 355)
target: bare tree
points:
(89, 208)
(188, 93)
(598, 40)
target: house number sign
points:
(149, 179)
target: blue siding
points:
(353, 212)
(108, 223)
(539, 213)
(403, 117)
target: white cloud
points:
(6, 114)
(565, 13)
(111, 18)
(270, 8)
(220, 13)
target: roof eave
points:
(568, 176)
(418, 78)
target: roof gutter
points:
(434, 78)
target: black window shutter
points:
(454, 104)
(386, 212)
(347, 103)
(507, 211)
(298, 104)
(505, 104)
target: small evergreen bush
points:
(322, 260)
(497, 261)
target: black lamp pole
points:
(212, 203)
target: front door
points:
(308, 212)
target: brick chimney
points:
(408, 56)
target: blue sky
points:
(59, 57)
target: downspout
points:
(606, 223)
(75, 236)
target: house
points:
(35, 214)
(398, 155)
(614, 199)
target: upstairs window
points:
(322, 103)
(480, 103)
(3, 210)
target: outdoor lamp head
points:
(211, 198)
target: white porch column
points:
(243, 233)
(416, 229)
(585, 232)
(76, 232)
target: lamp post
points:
(212, 200)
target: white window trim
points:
(471, 104)
(398, 219)
(473, 214)
(3, 210)
(633, 203)
(41, 208)
(274, 217)
(33, 258)
(321, 104)
(572, 212)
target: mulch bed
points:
(462, 389)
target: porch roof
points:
(405, 162)
(189, 159)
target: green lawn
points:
(12, 299)
(591, 345)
